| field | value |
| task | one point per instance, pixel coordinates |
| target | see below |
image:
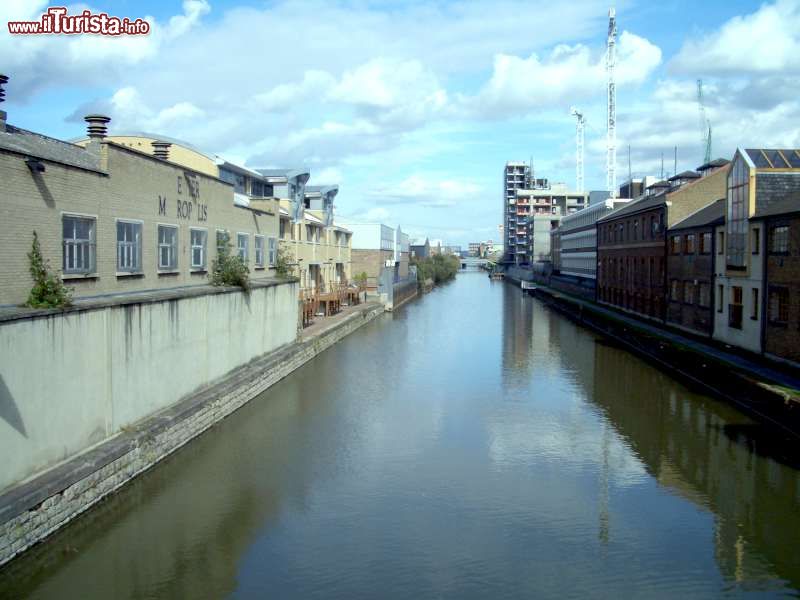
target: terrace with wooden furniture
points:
(328, 300)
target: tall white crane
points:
(611, 133)
(578, 148)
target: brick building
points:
(631, 248)
(113, 219)
(690, 269)
(760, 181)
(781, 224)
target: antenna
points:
(675, 164)
(705, 125)
(630, 173)
(611, 132)
(578, 148)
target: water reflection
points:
(473, 444)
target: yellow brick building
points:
(114, 219)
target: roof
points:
(283, 173)
(153, 136)
(633, 206)
(419, 242)
(711, 214)
(764, 158)
(717, 162)
(22, 141)
(241, 200)
(685, 175)
(784, 206)
(312, 219)
(340, 228)
(283, 212)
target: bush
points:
(48, 290)
(283, 262)
(438, 268)
(229, 269)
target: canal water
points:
(474, 444)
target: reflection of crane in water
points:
(604, 531)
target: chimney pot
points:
(3, 81)
(161, 149)
(97, 126)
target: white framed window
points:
(242, 245)
(273, 251)
(223, 238)
(167, 247)
(198, 241)
(259, 251)
(129, 246)
(78, 239)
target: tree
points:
(227, 268)
(48, 290)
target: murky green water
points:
(472, 445)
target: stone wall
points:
(32, 511)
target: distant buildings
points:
(420, 248)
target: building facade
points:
(112, 219)
(691, 249)
(781, 226)
(544, 207)
(631, 248)
(759, 179)
(420, 248)
(516, 175)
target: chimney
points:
(161, 149)
(96, 126)
(3, 81)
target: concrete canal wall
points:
(755, 387)
(119, 388)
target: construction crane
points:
(611, 131)
(578, 148)
(705, 124)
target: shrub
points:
(229, 269)
(438, 268)
(283, 262)
(48, 290)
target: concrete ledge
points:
(33, 510)
(15, 313)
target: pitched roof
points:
(685, 175)
(28, 143)
(764, 158)
(717, 162)
(711, 214)
(643, 203)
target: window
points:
(198, 240)
(754, 307)
(167, 247)
(720, 297)
(675, 244)
(273, 251)
(287, 231)
(735, 308)
(688, 292)
(675, 290)
(223, 239)
(129, 246)
(242, 245)
(721, 242)
(688, 246)
(755, 240)
(705, 243)
(704, 298)
(260, 251)
(257, 188)
(779, 239)
(79, 244)
(737, 203)
(778, 305)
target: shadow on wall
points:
(8, 409)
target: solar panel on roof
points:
(776, 159)
(760, 160)
(793, 157)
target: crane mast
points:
(579, 136)
(705, 124)
(611, 132)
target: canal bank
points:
(757, 387)
(38, 506)
(475, 444)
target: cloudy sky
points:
(414, 107)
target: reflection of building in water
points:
(517, 331)
(713, 456)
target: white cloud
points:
(568, 75)
(766, 41)
(426, 191)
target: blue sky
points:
(414, 107)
